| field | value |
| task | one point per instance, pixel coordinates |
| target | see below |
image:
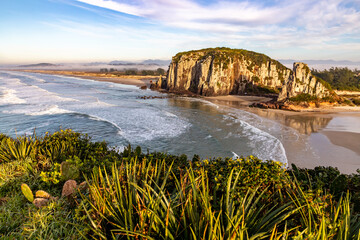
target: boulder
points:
(40, 202)
(42, 194)
(69, 188)
(83, 186)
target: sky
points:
(57, 31)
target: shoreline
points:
(225, 100)
(312, 124)
(134, 80)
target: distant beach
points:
(103, 77)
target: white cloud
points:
(307, 24)
(232, 17)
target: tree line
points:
(340, 78)
(135, 71)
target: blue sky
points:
(102, 30)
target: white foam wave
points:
(54, 109)
(99, 103)
(38, 111)
(9, 97)
(96, 118)
(235, 156)
(54, 96)
(27, 75)
(264, 144)
(202, 101)
(169, 114)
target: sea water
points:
(117, 114)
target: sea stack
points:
(223, 71)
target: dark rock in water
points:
(152, 97)
(143, 87)
(223, 71)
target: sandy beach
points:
(348, 140)
(104, 77)
(333, 133)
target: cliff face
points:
(302, 81)
(223, 71)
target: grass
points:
(222, 55)
(132, 195)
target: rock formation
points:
(223, 71)
(302, 81)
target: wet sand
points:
(327, 137)
(348, 140)
(237, 101)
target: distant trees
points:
(340, 78)
(135, 71)
(105, 70)
(160, 71)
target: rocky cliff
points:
(222, 71)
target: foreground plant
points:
(138, 202)
(133, 195)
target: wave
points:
(27, 76)
(96, 118)
(9, 97)
(98, 103)
(43, 110)
(265, 145)
(55, 96)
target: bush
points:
(155, 195)
(356, 101)
(304, 97)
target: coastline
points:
(310, 123)
(226, 100)
(330, 146)
(138, 81)
(349, 140)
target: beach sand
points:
(327, 136)
(103, 77)
(237, 101)
(348, 140)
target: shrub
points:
(303, 97)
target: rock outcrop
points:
(302, 81)
(223, 71)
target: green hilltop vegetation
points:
(340, 78)
(223, 55)
(136, 195)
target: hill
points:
(223, 71)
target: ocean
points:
(119, 115)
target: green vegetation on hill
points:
(223, 55)
(133, 195)
(134, 71)
(340, 78)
